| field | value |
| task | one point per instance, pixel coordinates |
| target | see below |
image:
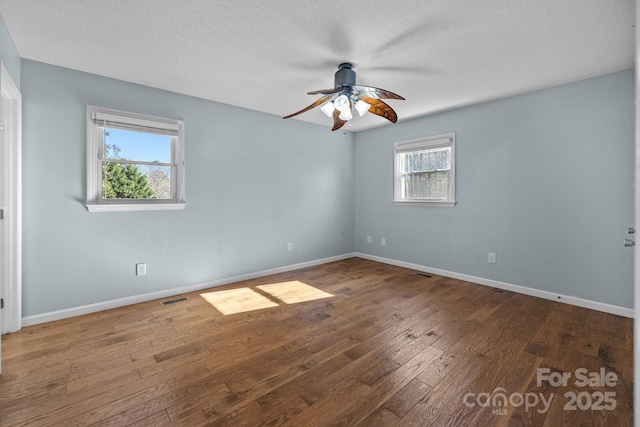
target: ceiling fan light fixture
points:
(346, 94)
(328, 108)
(346, 115)
(362, 107)
(342, 103)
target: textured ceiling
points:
(438, 54)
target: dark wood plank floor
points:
(389, 347)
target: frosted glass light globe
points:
(342, 103)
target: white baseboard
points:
(607, 308)
(135, 299)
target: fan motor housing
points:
(345, 76)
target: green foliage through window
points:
(125, 181)
(122, 178)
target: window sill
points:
(129, 207)
(441, 204)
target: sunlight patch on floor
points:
(231, 301)
(240, 300)
(294, 292)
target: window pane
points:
(125, 181)
(134, 161)
(424, 171)
(138, 146)
(427, 160)
(159, 178)
(430, 185)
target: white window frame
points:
(445, 140)
(96, 119)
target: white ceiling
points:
(265, 55)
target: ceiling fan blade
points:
(315, 104)
(337, 121)
(326, 91)
(377, 93)
(380, 108)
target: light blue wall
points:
(254, 183)
(8, 53)
(544, 180)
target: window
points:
(134, 162)
(425, 171)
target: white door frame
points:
(11, 265)
(636, 254)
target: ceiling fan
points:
(346, 94)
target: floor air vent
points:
(173, 301)
(423, 275)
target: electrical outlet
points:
(492, 258)
(141, 269)
(383, 241)
(368, 239)
(290, 247)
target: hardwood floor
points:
(389, 346)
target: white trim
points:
(636, 220)
(135, 299)
(12, 314)
(127, 207)
(567, 299)
(421, 202)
